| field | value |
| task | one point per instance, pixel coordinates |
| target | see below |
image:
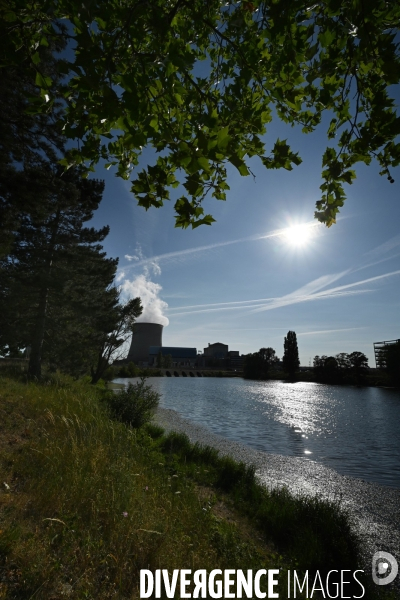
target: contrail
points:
(306, 293)
(188, 251)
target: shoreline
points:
(374, 509)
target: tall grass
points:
(88, 502)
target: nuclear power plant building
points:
(146, 346)
(185, 357)
(147, 350)
(144, 335)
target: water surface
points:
(352, 430)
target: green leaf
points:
(203, 162)
(154, 123)
(239, 164)
(223, 138)
(206, 220)
(42, 82)
(326, 38)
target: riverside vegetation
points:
(87, 501)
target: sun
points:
(299, 235)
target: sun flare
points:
(299, 235)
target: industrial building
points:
(146, 349)
(146, 345)
(216, 350)
(380, 352)
(144, 335)
(180, 357)
(219, 356)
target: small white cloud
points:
(138, 256)
(154, 267)
(120, 276)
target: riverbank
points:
(374, 509)
(87, 502)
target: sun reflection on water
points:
(353, 430)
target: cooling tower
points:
(144, 335)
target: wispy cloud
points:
(273, 303)
(309, 288)
(235, 304)
(139, 260)
(378, 251)
(323, 331)
(310, 292)
(342, 290)
(385, 247)
(130, 257)
(376, 262)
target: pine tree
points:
(82, 311)
(290, 359)
(29, 139)
(54, 262)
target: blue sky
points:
(243, 282)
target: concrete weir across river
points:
(374, 509)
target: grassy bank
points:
(87, 502)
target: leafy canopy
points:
(259, 364)
(199, 82)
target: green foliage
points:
(342, 368)
(326, 369)
(89, 502)
(232, 474)
(57, 296)
(200, 84)
(120, 319)
(164, 361)
(259, 364)
(359, 366)
(129, 370)
(290, 358)
(134, 405)
(293, 523)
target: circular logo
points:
(384, 568)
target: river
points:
(353, 430)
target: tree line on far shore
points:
(259, 365)
(343, 368)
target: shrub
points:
(176, 443)
(133, 371)
(232, 473)
(135, 404)
(154, 431)
(109, 374)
